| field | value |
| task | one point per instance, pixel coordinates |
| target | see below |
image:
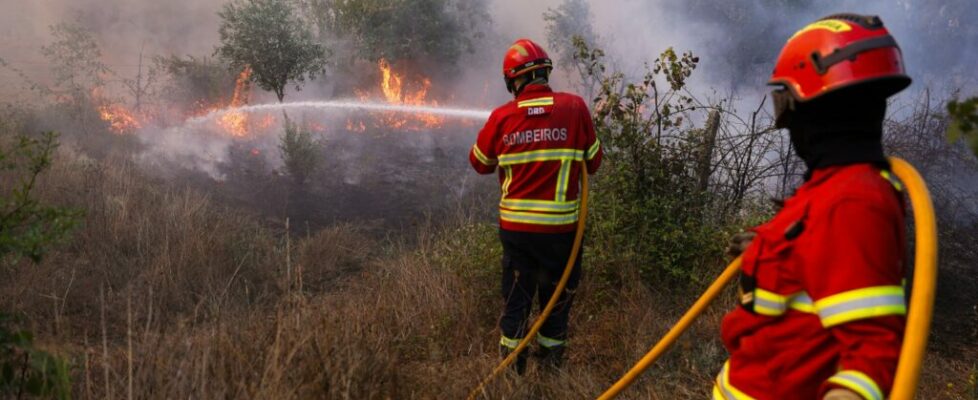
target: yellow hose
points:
(924, 282)
(919, 313)
(578, 238)
(704, 301)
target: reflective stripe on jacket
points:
(537, 143)
(822, 304)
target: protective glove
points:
(739, 243)
(842, 394)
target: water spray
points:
(465, 113)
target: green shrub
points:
(26, 370)
(651, 211)
(300, 151)
(964, 122)
(27, 229)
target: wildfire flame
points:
(393, 88)
(391, 84)
(358, 126)
(120, 119)
(236, 122)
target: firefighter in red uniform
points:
(538, 142)
(822, 307)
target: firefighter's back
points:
(542, 138)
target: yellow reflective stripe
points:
(549, 342)
(802, 302)
(507, 181)
(562, 178)
(717, 394)
(538, 102)
(862, 303)
(482, 157)
(893, 181)
(593, 151)
(727, 391)
(539, 205)
(858, 382)
(773, 304)
(537, 218)
(509, 342)
(541, 155)
(769, 303)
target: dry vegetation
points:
(165, 294)
(177, 285)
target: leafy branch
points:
(964, 122)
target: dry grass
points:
(165, 294)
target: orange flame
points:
(119, 118)
(236, 122)
(392, 85)
(358, 126)
(317, 127)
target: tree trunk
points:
(706, 152)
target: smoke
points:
(123, 28)
(736, 40)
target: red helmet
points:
(840, 51)
(524, 56)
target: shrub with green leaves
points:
(964, 122)
(27, 229)
(271, 38)
(26, 370)
(300, 151)
(648, 204)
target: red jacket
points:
(538, 141)
(822, 301)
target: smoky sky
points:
(737, 40)
(740, 39)
(122, 28)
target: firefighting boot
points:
(551, 358)
(520, 364)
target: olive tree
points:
(397, 30)
(271, 38)
(567, 25)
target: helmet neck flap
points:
(840, 128)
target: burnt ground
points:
(380, 179)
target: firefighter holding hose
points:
(822, 307)
(537, 143)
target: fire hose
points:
(575, 250)
(918, 315)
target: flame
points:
(358, 126)
(392, 86)
(120, 119)
(317, 127)
(266, 122)
(236, 122)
